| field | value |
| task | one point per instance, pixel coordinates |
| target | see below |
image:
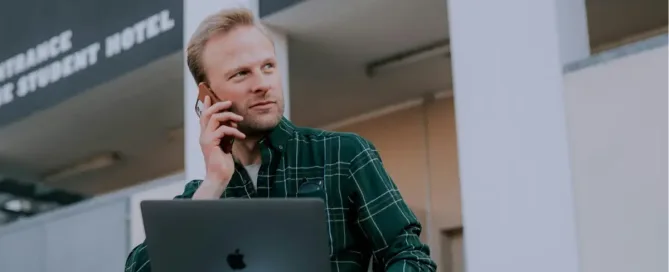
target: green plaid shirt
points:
(367, 217)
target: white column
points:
(194, 12)
(516, 185)
(281, 47)
(572, 24)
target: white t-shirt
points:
(253, 170)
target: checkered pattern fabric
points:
(367, 217)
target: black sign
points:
(53, 50)
(269, 7)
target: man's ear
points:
(202, 87)
(203, 90)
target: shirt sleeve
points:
(390, 227)
(138, 259)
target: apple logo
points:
(236, 260)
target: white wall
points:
(515, 181)
(617, 122)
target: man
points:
(231, 55)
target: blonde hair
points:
(223, 21)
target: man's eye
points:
(269, 66)
(240, 74)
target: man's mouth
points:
(262, 104)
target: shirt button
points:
(281, 147)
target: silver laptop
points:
(246, 235)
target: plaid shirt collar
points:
(280, 135)
(271, 148)
(277, 138)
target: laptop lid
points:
(236, 235)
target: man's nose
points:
(261, 84)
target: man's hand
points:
(217, 123)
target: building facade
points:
(526, 135)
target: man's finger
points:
(227, 117)
(217, 107)
(228, 131)
(213, 109)
(222, 118)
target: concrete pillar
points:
(516, 184)
(572, 25)
(194, 12)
